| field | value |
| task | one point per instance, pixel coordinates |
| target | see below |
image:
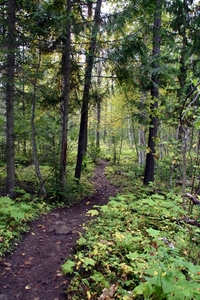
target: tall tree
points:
(66, 91)
(9, 97)
(34, 144)
(82, 142)
(153, 127)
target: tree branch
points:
(193, 199)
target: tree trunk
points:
(153, 128)
(34, 145)
(98, 123)
(9, 97)
(65, 102)
(141, 145)
(82, 142)
(98, 103)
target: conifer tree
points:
(10, 46)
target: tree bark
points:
(153, 128)
(64, 105)
(82, 142)
(9, 97)
(98, 105)
(34, 145)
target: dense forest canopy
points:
(114, 84)
(80, 78)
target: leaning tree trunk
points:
(153, 128)
(64, 104)
(9, 97)
(82, 142)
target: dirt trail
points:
(33, 271)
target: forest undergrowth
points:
(140, 246)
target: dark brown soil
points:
(33, 271)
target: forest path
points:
(33, 271)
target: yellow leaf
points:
(155, 273)
(89, 295)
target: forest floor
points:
(33, 271)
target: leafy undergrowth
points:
(139, 247)
(14, 218)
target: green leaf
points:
(6, 200)
(98, 277)
(132, 255)
(152, 232)
(89, 261)
(157, 196)
(67, 268)
(145, 289)
(17, 215)
(148, 201)
(93, 212)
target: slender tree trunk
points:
(98, 123)
(141, 135)
(65, 102)
(82, 142)
(141, 146)
(153, 128)
(98, 103)
(23, 103)
(185, 139)
(34, 144)
(130, 133)
(9, 97)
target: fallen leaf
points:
(41, 226)
(28, 287)
(27, 263)
(23, 254)
(108, 294)
(56, 287)
(5, 286)
(32, 233)
(7, 264)
(59, 274)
